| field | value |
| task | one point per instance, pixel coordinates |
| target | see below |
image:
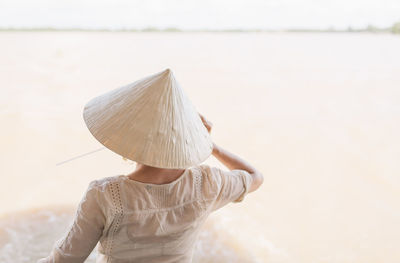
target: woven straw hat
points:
(150, 121)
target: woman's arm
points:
(233, 161)
(84, 233)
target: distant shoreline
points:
(369, 29)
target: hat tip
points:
(168, 71)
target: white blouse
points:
(142, 222)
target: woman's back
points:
(141, 222)
(155, 223)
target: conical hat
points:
(150, 121)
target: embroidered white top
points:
(141, 222)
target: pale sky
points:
(200, 14)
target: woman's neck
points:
(154, 175)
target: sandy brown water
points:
(318, 114)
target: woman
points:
(153, 214)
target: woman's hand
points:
(206, 123)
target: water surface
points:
(318, 114)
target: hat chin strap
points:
(79, 156)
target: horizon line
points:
(369, 28)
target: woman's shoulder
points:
(204, 168)
(218, 176)
(209, 171)
(102, 184)
(209, 178)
